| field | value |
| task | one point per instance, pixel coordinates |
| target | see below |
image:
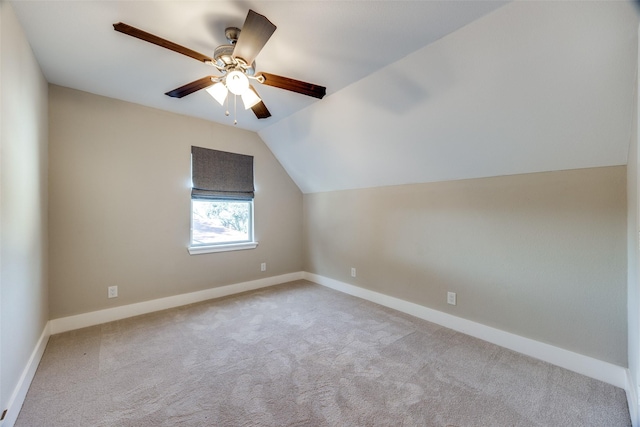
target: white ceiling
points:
(417, 91)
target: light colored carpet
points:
(301, 355)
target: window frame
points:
(196, 249)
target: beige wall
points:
(539, 255)
(120, 205)
(23, 204)
(633, 242)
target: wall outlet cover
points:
(451, 298)
(112, 292)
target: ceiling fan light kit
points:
(219, 92)
(250, 98)
(237, 82)
(236, 62)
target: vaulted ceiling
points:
(417, 91)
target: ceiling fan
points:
(236, 62)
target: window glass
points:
(221, 221)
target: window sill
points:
(197, 250)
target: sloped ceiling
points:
(418, 91)
(534, 86)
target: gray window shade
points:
(218, 174)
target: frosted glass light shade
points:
(219, 92)
(249, 98)
(237, 82)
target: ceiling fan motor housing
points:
(223, 55)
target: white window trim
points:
(225, 247)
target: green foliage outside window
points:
(231, 215)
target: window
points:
(221, 201)
(220, 221)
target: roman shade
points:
(221, 175)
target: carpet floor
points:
(298, 355)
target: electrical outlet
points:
(263, 266)
(113, 292)
(451, 298)
(353, 272)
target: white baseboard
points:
(84, 320)
(632, 400)
(594, 368)
(20, 392)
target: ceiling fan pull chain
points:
(226, 113)
(235, 109)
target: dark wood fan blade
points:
(143, 35)
(255, 33)
(304, 88)
(260, 110)
(189, 88)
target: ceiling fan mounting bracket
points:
(232, 34)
